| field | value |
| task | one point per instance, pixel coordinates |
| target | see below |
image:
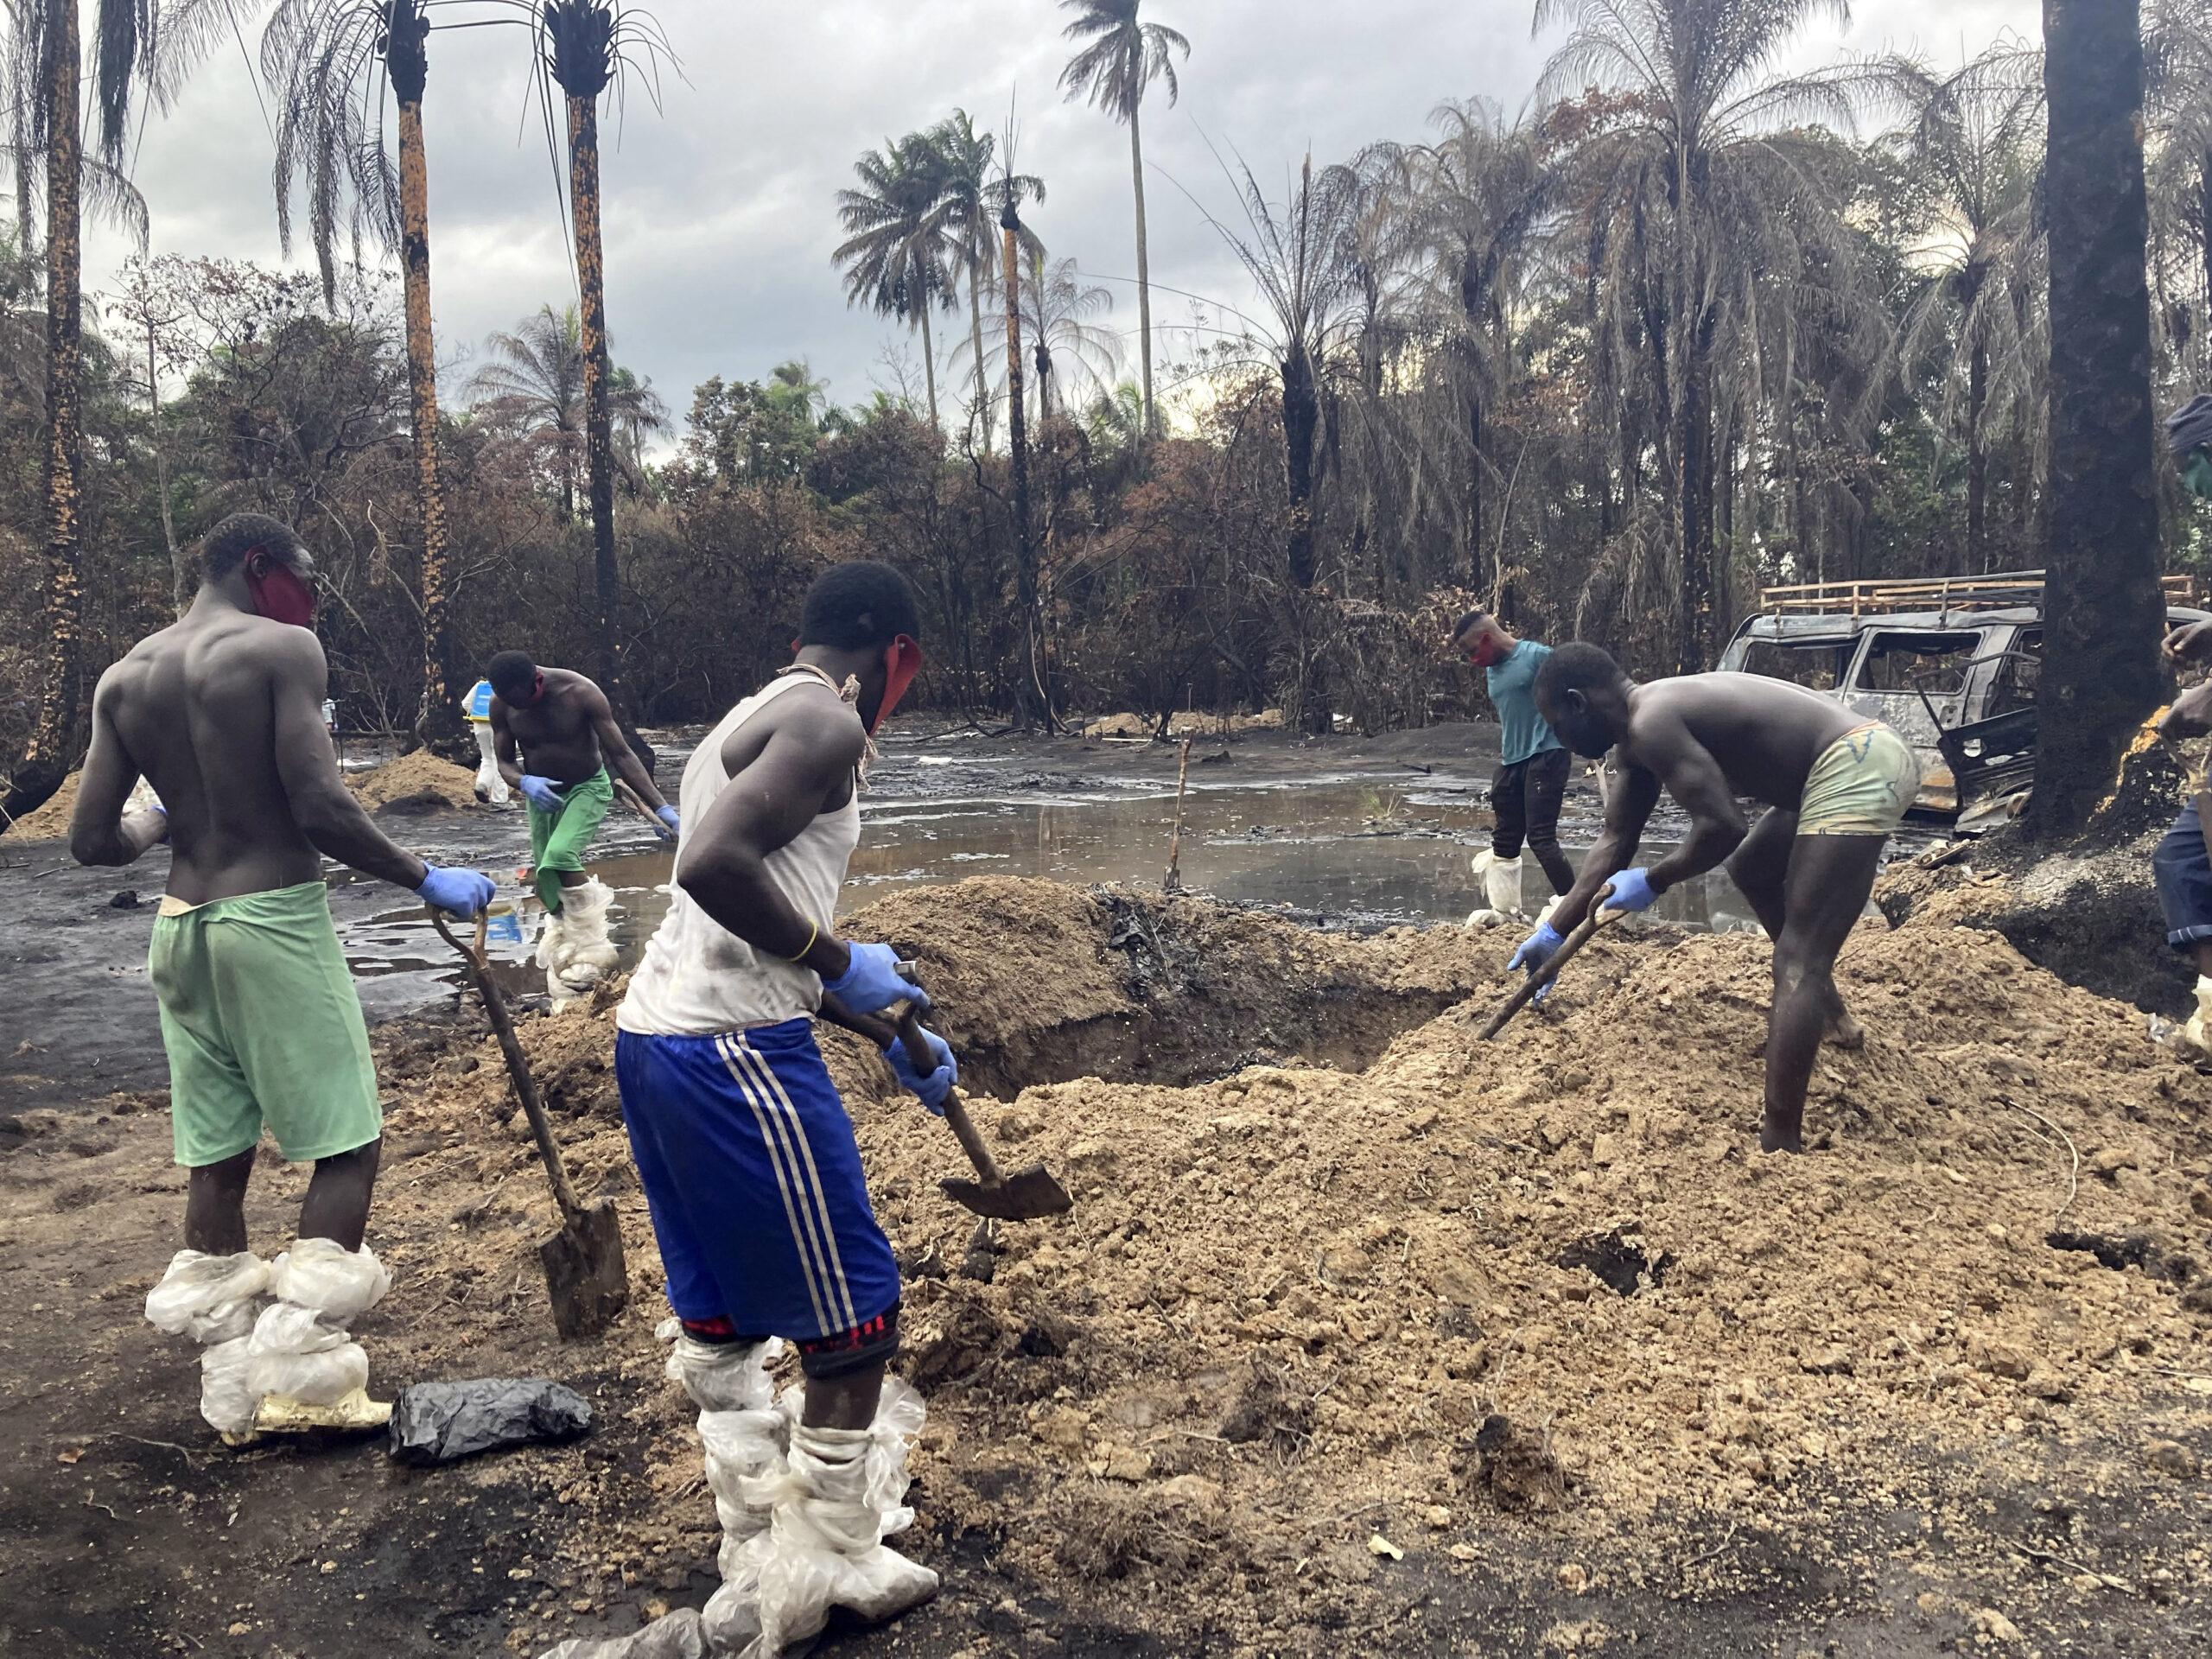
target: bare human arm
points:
(2191, 716)
(809, 756)
(503, 746)
(328, 814)
(99, 831)
(615, 749)
(1629, 806)
(2190, 645)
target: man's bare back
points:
(1764, 734)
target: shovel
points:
(1544, 975)
(1025, 1195)
(585, 1274)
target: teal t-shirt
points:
(1513, 694)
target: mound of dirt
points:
(415, 784)
(50, 822)
(1549, 1276)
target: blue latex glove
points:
(543, 792)
(872, 983)
(1537, 948)
(1632, 892)
(458, 893)
(667, 815)
(930, 1087)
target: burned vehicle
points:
(1951, 665)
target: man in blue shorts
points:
(746, 1156)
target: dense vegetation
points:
(1685, 328)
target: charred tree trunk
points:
(1301, 417)
(1693, 447)
(599, 436)
(1977, 463)
(53, 740)
(2103, 610)
(1144, 275)
(439, 721)
(1036, 692)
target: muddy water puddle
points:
(1345, 852)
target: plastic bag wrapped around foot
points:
(207, 1298)
(679, 1635)
(746, 1470)
(226, 1401)
(719, 1375)
(323, 1274)
(824, 1547)
(1501, 880)
(293, 1353)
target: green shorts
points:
(559, 840)
(1863, 784)
(263, 1026)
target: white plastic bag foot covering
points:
(207, 1298)
(293, 1353)
(323, 1274)
(719, 1375)
(839, 1494)
(679, 1635)
(1501, 880)
(2197, 1034)
(575, 951)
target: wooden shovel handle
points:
(503, 1028)
(956, 1109)
(1598, 917)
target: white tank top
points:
(698, 979)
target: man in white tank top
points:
(746, 1156)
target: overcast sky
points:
(720, 208)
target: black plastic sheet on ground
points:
(443, 1422)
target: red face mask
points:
(278, 592)
(902, 660)
(1486, 653)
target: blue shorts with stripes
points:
(754, 1182)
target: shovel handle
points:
(503, 1028)
(956, 1109)
(1598, 917)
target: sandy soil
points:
(415, 784)
(1363, 1335)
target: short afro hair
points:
(1576, 666)
(511, 670)
(242, 535)
(858, 606)
(1467, 624)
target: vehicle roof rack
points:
(1999, 591)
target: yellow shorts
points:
(1862, 784)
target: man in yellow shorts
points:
(1836, 786)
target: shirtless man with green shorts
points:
(223, 715)
(556, 735)
(1836, 786)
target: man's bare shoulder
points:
(817, 717)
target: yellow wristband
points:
(808, 945)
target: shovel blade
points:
(1025, 1195)
(585, 1273)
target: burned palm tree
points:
(583, 48)
(1037, 689)
(333, 64)
(140, 48)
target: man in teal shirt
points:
(1531, 779)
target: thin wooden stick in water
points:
(1174, 881)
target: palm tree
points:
(1037, 690)
(330, 64)
(532, 387)
(1120, 59)
(139, 46)
(1974, 136)
(1057, 308)
(1479, 192)
(2103, 611)
(583, 47)
(965, 155)
(1700, 189)
(903, 237)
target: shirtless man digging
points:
(223, 715)
(748, 1161)
(555, 735)
(1836, 786)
